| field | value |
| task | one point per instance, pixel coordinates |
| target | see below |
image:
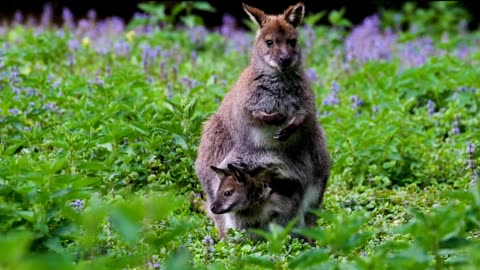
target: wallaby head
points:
(238, 188)
(276, 46)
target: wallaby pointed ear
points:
(255, 14)
(220, 172)
(294, 14)
(239, 174)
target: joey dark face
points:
(232, 193)
(276, 44)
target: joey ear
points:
(239, 174)
(294, 14)
(220, 172)
(255, 14)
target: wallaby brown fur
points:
(250, 198)
(269, 112)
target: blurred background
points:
(355, 11)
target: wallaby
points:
(248, 199)
(270, 111)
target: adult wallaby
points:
(270, 110)
(252, 198)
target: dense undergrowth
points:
(100, 122)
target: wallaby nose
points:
(285, 61)
(213, 209)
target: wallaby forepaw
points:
(282, 134)
(275, 119)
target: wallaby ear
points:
(239, 174)
(255, 14)
(220, 172)
(294, 14)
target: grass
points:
(97, 147)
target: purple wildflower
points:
(18, 17)
(73, 44)
(194, 56)
(228, 25)
(67, 17)
(471, 148)
(332, 98)
(366, 42)
(431, 107)
(31, 104)
(52, 106)
(376, 108)
(47, 15)
(122, 48)
(14, 75)
(455, 126)
(169, 91)
(71, 60)
(188, 83)
(474, 178)
(197, 34)
(14, 111)
(149, 55)
(77, 205)
(92, 15)
(208, 240)
(30, 92)
(154, 265)
(311, 75)
(356, 102)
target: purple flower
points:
(197, 35)
(194, 56)
(14, 75)
(366, 42)
(376, 108)
(208, 240)
(474, 178)
(228, 25)
(154, 265)
(14, 111)
(47, 15)
(431, 107)
(52, 106)
(471, 148)
(30, 92)
(356, 102)
(77, 205)
(31, 104)
(122, 48)
(71, 60)
(67, 17)
(332, 98)
(149, 55)
(169, 91)
(311, 75)
(73, 44)
(18, 17)
(92, 15)
(455, 127)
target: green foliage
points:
(157, 13)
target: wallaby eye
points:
(292, 42)
(269, 42)
(228, 193)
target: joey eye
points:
(292, 42)
(269, 42)
(228, 193)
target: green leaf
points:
(261, 261)
(309, 258)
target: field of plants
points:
(100, 122)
